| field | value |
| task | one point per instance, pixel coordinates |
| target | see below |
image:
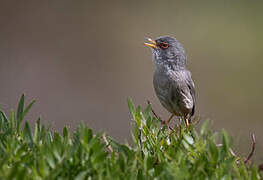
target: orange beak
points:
(152, 43)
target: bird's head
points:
(168, 51)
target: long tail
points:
(192, 114)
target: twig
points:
(230, 150)
(250, 154)
(157, 117)
(154, 111)
(252, 149)
(108, 146)
(140, 141)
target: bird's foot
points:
(186, 122)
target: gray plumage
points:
(172, 81)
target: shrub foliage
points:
(182, 153)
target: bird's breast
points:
(161, 86)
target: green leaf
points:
(138, 117)
(99, 157)
(243, 170)
(86, 134)
(82, 175)
(27, 109)
(50, 160)
(66, 133)
(158, 169)
(12, 119)
(3, 116)
(140, 175)
(254, 174)
(214, 151)
(49, 137)
(131, 107)
(28, 137)
(37, 132)
(147, 111)
(225, 141)
(204, 127)
(149, 162)
(121, 162)
(20, 109)
(149, 122)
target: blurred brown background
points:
(81, 59)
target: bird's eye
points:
(164, 45)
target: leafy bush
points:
(155, 154)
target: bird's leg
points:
(170, 118)
(186, 120)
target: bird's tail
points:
(192, 114)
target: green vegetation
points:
(38, 153)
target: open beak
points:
(152, 43)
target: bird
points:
(172, 81)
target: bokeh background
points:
(81, 59)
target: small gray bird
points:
(172, 81)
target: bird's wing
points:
(183, 92)
(191, 86)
